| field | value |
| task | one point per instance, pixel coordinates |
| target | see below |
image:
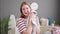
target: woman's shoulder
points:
(19, 19)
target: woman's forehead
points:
(25, 6)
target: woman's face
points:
(26, 10)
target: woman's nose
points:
(26, 10)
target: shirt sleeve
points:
(21, 25)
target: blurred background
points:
(47, 8)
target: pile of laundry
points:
(55, 30)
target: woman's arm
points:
(37, 30)
(28, 30)
(38, 27)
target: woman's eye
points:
(26, 8)
(23, 8)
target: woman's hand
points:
(30, 24)
(32, 15)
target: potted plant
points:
(40, 21)
(52, 22)
(4, 25)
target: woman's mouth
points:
(25, 13)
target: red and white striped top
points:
(21, 24)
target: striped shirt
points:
(21, 24)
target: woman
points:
(23, 20)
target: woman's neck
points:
(26, 17)
(23, 16)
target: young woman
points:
(23, 28)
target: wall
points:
(0, 8)
(47, 8)
(59, 12)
